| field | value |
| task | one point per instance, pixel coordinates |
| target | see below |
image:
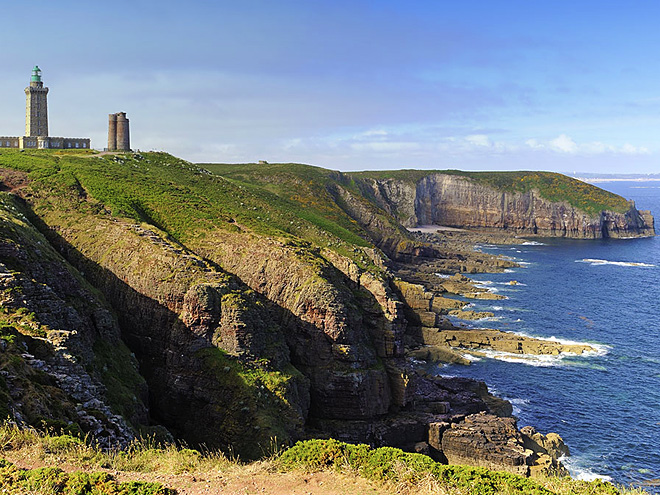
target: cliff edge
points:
(527, 203)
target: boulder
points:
(485, 440)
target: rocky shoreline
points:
(434, 291)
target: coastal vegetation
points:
(150, 468)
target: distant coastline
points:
(616, 179)
(595, 178)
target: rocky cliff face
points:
(245, 331)
(461, 202)
(63, 362)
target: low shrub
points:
(387, 464)
(51, 480)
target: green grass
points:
(52, 480)
(188, 202)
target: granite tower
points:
(36, 106)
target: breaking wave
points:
(597, 262)
(579, 472)
(542, 360)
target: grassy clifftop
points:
(283, 200)
(551, 186)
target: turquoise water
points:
(605, 405)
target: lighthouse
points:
(36, 106)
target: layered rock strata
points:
(63, 362)
(458, 201)
(498, 445)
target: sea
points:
(605, 405)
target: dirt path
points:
(248, 483)
(252, 479)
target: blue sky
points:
(565, 85)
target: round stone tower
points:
(123, 135)
(118, 132)
(112, 132)
(36, 106)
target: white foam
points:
(540, 360)
(487, 283)
(443, 275)
(472, 358)
(597, 262)
(581, 473)
(517, 405)
(532, 243)
(486, 246)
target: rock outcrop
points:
(495, 443)
(63, 362)
(479, 339)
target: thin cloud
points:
(565, 144)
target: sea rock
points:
(484, 338)
(492, 442)
(437, 354)
(485, 440)
(471, 315)
(552, 443)
(414, 295)
(442, 304)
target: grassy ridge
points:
(387, 464)
(187, 201)
(52, 480)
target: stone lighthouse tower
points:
(36, 106)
